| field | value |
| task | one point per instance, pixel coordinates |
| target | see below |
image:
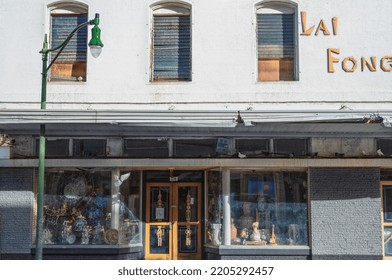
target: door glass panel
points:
(159, 203)
(159, 239)
(173, 220)
(187, 239)
(187, 204)
(387, 203)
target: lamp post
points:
(95, 45)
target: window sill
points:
(170, 82)
(66, 83)
(277, 82)
(253, 250)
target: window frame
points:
(275, 5)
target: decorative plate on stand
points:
(75, 189)
(111, 236)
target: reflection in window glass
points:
(130, 209)
(89, 147)
(78, 209)
(54, 147)
(388, 241)
(214, 197)
(256, 147)
(195, 147)
(387, 198)
(385, 145)
(146, 148)
(214, 207)
(290, 147)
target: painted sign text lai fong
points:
(348, 64)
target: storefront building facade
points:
(199, 204)
(171, 156)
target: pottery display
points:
(216, 234)
(255, 236)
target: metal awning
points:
(187, 118)
(197, 123)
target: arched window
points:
(171, 42)
(276, 41)
(71, 65)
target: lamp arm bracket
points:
(64, 44)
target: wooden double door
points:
(173, 221)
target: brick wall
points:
(345, 213)
(16, 208)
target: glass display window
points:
(91, 207)
(266, 208)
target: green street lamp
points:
(95, 46)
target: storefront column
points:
(115, 213)
(226, 206)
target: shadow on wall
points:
(344, 183)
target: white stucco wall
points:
(223, 56)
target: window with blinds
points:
(171, 54)
(276, 47)
(72, 62)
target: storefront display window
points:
(269, 208)
(91, 207)
(266, 208)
